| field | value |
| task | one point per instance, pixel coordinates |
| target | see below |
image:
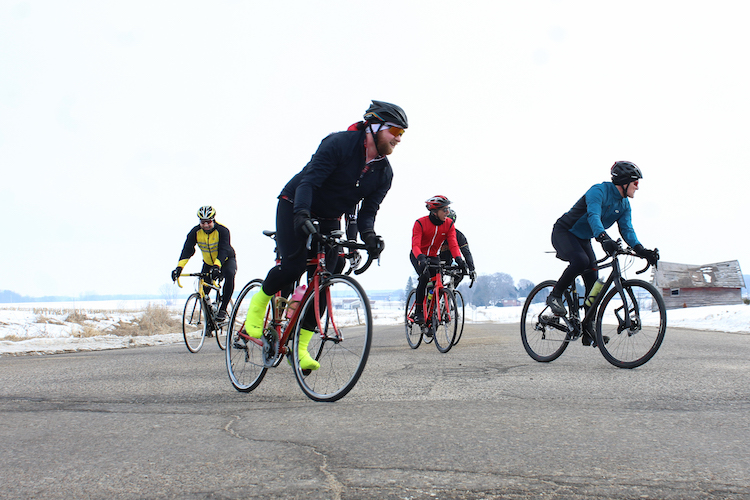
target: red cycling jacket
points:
(426, 237)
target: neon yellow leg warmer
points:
(256, 314)
(306, 362)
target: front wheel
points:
(341, 338)
(244, 354)
(461, 310)
(445, 320)
(413, 329)
(630, 327)
(194, 323)
(544, 335)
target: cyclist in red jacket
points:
(428, 235)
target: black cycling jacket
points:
(336, 179)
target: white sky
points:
(119, 119)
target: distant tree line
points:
(488, 289)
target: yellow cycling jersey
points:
(215, 246)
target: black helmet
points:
(452, 214)
(625, 172)
(380, 112)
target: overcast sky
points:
(119, 119)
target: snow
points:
(42, 328)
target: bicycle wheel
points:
(244, 354)
(544, 336)
(633, 346)
(341, 342)
(193, 323)
(446, 322)
(221, 334)
(461, 310)
(413, 330)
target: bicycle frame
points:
(278, 325)
(202, 284)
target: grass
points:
(154, 320)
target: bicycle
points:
(440, 314)
(199, 315)
(338, 307)
(454, 274)
(626, 311)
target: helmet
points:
(452, 215)
(206, 212)
(380, 112)
(625, 172)
(436, 202)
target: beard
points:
(385, 147)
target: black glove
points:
(374, 244)
(176, 273)
(473, 275)
(303, 224)
(652, 256)
(462, 264)
(608, 244)
(421, 263)
(215, 272)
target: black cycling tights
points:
(228, 270)
(293, 253)
(580, 256)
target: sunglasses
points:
(206, 221)
(396, 131)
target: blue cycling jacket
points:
(597, 210)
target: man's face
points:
(207, 225)
(442, 213)
(632, 188)
(388, 139)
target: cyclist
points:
(463, 245)
(428, 235)
(598, 209)
(219, 257)
(348, 167)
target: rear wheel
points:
(193, 323)
(221, 333)
(461, 310)
(543, 334)
(413, 330)
(629, 346)
(244, 354)
(445, 320)
(341, 339)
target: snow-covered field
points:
(44, 327)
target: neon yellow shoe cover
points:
(306, 362)
(256, 314)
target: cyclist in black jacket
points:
(347, 168)
(463, 245)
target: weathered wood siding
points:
(697, 297)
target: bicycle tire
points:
(194, 325)
(221, 331)
(413, 330)
(630, 348)
(461, 310)
(244, 358)
(446, 324)
(343, 345)
(542, 341)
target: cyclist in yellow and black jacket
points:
(219, 257)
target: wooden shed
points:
(683, 285)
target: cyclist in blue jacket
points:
(598, 209)
(349, 168)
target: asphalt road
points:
(483, 421)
